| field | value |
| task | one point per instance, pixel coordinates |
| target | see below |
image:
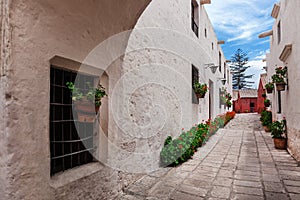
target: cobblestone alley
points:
(239, 162)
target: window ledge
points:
(275, 10)
(74, 174)
(285, 52)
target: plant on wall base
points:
(278, 132)
(266, 120)
(87, 104)
(267, 102)
(279, 78)
(200, 89)
(269, 87)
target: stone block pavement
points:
(238, 162)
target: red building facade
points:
(261, 90)
(245, 101)
(250, 100)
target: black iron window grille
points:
(195, 79)
(67, 148)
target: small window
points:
(195, 79)
(212, 46)
(279, 31)
(205, 33)
(220, 61)
(67, 149)
(195, 17)
(279, 102)
(224, 70)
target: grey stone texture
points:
(238, 162)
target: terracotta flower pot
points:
(200, 96)
(280, 143)
(267, 129)
(85, 111)
(280, 86)
(269, 91)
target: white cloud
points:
(256, 69)
(241, 19)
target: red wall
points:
(242, 105)
(260, 99)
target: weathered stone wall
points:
(41, 30)
(290, 23)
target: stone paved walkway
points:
(239, 162)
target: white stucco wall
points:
(290, 27)
(156, 83)
(39, 30)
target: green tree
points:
(239, 66)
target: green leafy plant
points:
(200, 88)
(267, 101)
(266, 118)
(278, 129)
(280, 75)
(183, 148)
(93, 94)
(269, 85)
(264, 95)
(168, 140)
(228, 103)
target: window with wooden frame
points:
(71, 144)
(195, 79)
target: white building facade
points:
(146, 54)
(284, 52)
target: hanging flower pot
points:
(267, 102)
(86, 104)
(200, 96)
(200, 89)
(280, 86)
(269, 87)
(86, 111)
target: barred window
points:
(68, 149)
(195, 79)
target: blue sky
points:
(239, 22)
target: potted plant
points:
(200, 89)
(266, 120)
(264, 95)
(87, 104)
(269, 87)
(278, 132)
(279, 78)
(267, 102)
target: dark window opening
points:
(205, 33)
(195, 79)
(279, 31)
(67, 149)
(195, 27)
(212, 46)
(220, 62)
(252, 107)
(278, 101)
(224, 70)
